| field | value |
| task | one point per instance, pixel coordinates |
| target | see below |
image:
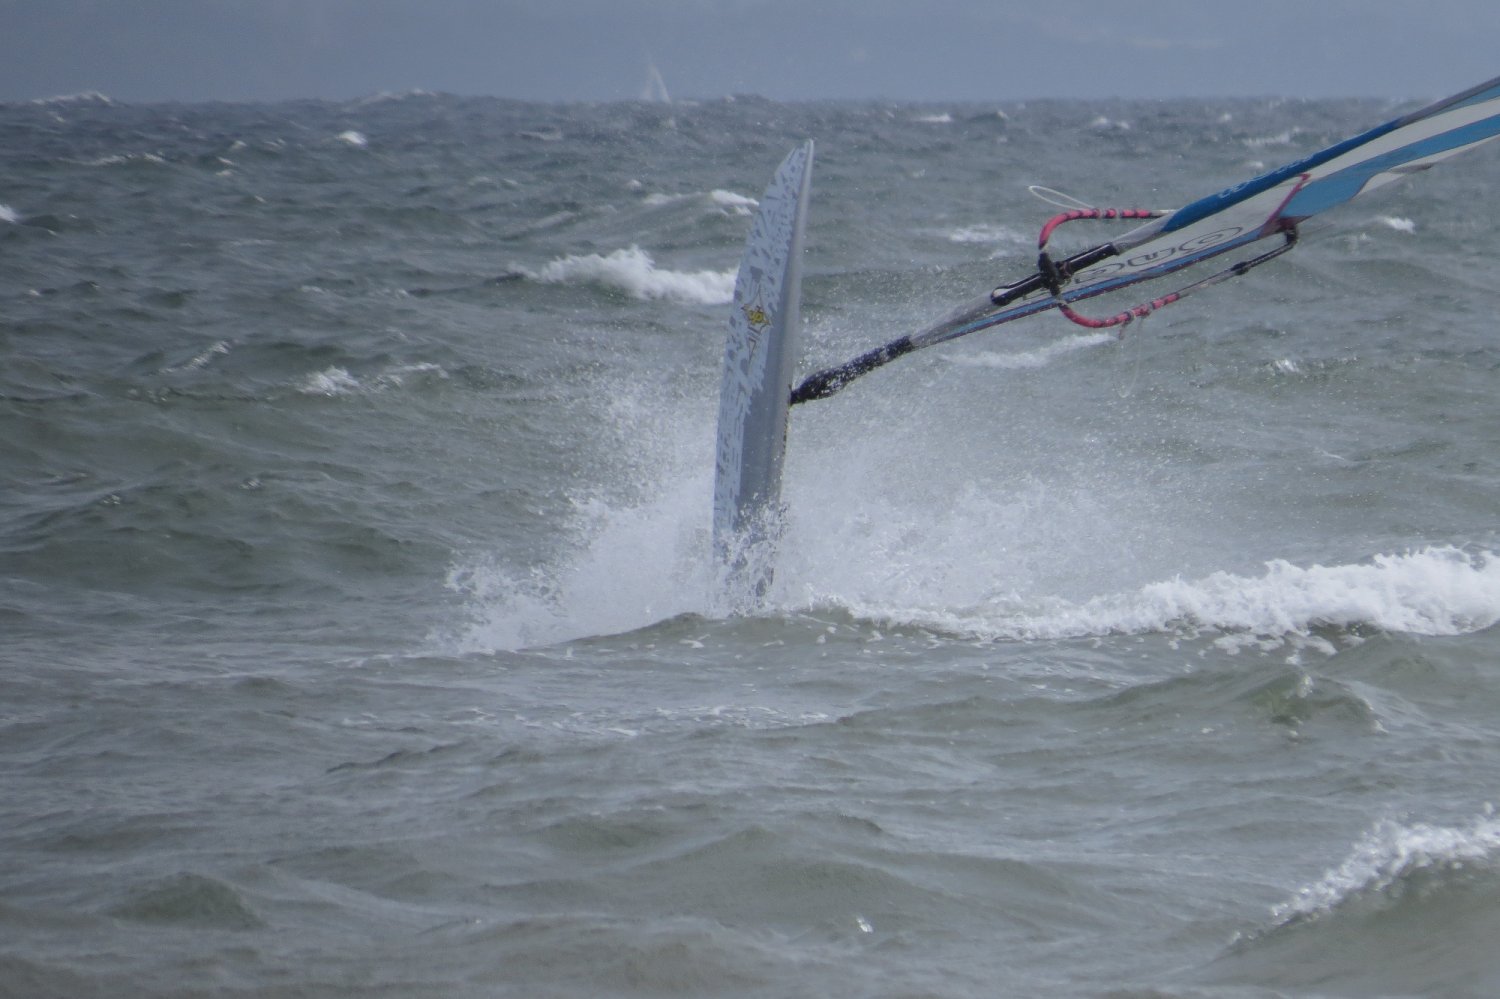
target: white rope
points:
(1057, 198)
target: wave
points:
(392, 97)
(728, 202)
(608, 586)
(337, 381)
(9, 214)
(120, 159)
(1409, 911)
(1017, 564)
(739, 204)
(85, 97)
(1433, 591)
(634, 272)
(1389, 855)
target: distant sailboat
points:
(655, 90)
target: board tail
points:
(755, 393)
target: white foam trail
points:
(9, 214)
(1399, 224)
(634, 272)
(1388, 853)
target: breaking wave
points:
(634, 272)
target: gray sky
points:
(984, 50)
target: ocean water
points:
(358, 635)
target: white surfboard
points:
(755, 394)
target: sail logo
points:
(756, 314)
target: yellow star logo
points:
(755, 312)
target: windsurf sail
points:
(1268, 207)
(754, 393)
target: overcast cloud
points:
(931, 50)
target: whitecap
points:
(202, 359)
(397, 375)
(1386, 855)
(336, 380)
(85, 97)
(356, 139)
(633, 271)
(119, 159)
(1432, 591)
(9, 214)
(728, 202)
(330, 381)
(737, 204)
(656, 199)
(388, 96)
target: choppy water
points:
(359, 637)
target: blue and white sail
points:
(1262, 206)
(1271, 205)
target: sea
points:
(360, 634)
